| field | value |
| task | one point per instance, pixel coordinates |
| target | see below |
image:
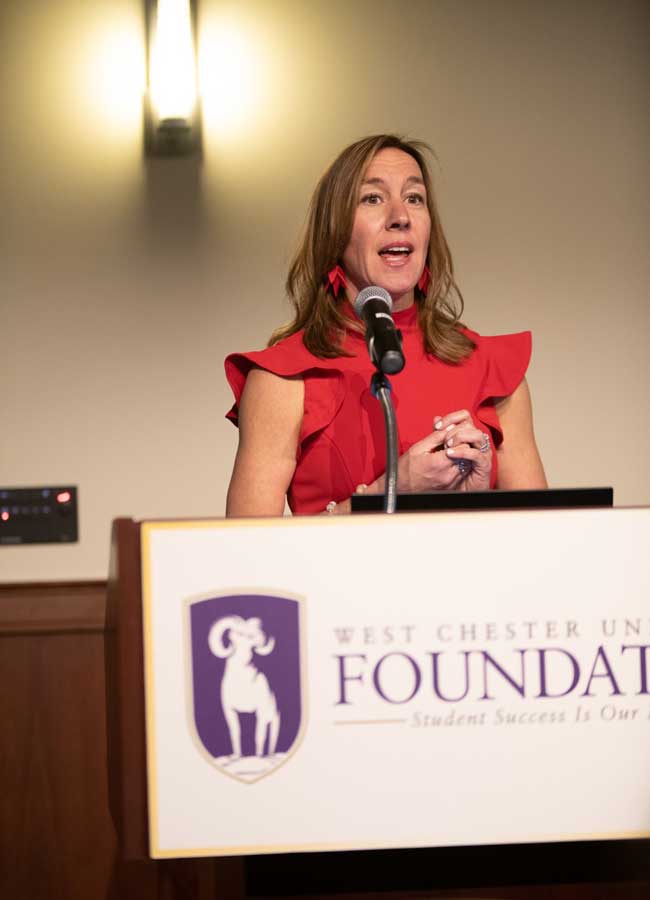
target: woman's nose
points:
(398, 216)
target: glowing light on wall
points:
(172, 68)
(232, 75)
(172, 109)
(115, 75)
(99, 67)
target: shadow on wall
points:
(173, 197)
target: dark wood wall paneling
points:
(56, 836)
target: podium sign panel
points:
(369, 682)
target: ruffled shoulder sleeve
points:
(503, 359)
(322, 378)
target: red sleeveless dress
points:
(342, 442)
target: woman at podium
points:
(310, 430)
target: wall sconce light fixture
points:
(172, 111)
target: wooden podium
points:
(358, 869)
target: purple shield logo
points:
(246, 681)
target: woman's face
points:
(390, 234)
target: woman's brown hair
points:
(327, 234)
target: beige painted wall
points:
(126, 282)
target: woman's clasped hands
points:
(455, 456)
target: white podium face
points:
(406, 681)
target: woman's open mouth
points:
(396, 254)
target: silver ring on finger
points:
(464, 465)
(485, 445)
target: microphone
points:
(373, 305)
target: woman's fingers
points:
(422, 469)
(468, 434)
(446, 423)
(475, 465)
(459, 427)
(429, 443)
(463, 468)
(466, 464)
(469, 454)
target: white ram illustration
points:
(244, 689)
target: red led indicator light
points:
(4, 515)
(64, 497)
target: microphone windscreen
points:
(371, 293)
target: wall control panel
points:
(38, 515)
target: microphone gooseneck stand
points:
(374, 304)
(380, 388)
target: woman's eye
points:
(415, 199)
(371, 199)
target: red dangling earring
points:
(425, 279)
(335, 281)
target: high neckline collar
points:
(404, 319)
